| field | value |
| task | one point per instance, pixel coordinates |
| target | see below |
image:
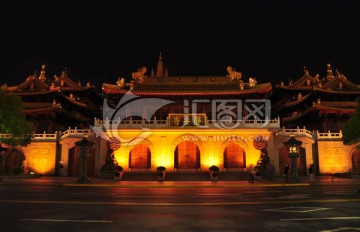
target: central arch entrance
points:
(187, 155)
(234, 156)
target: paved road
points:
(57, 204)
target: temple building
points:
(319, 103)
(187, 123)
(57, 104)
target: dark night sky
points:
(100, 41)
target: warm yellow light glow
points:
(211, 144)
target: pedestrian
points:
(286, 172)
(251, 173)
(311, 173)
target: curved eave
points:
(297, 116)
(44, 110)
(81, 105)
(336, 92)
(329, 109)
(68, 89)
(26, 93)
(294, 103)
(294, 88)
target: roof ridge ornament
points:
(306, 71)
(233, 74)
(42, 76)
(330, 74)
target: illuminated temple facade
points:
(188, 123)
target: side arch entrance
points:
(355, 159)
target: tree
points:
(351, 129)
(13, 121)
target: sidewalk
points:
(97, 182)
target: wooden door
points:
(140, 157)
(187, 155)
(356, 161)
(234, 156)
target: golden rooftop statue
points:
(140, 74)
(233, 74)
(120, 82)
(329, 72)
(42, 73)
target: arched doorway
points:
(75, 162)
(140, 157)
(13, 160)
(355, 159)
(284, 158)
(234, 156)
(187, 155)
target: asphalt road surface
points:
(182, 206)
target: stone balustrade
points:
(137, 124)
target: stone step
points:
(183, 176)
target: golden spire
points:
(152, 72)
(160, 67)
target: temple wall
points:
(211, 143)
(334, 156)
(41, 157)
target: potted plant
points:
(118, 173)
(161, 173)
(214, 172)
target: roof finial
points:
(42, 73)
(330, 74)
(306, 71)
(160, 67)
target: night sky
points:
(101, 41)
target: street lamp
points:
(83, 179)
(293, 146)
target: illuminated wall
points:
(211, 143)
(41, 157)
(334, 156)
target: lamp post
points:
(83, 179)
(293, 146)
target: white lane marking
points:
(63, 220)
(328, 218)
(218, 194)
(341, 229)
(297, 209)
